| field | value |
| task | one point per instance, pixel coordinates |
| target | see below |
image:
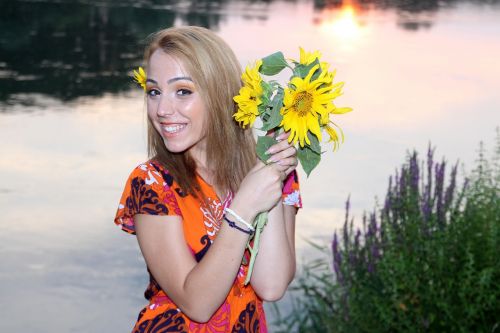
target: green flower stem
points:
(260, 222)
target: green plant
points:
(427, 261)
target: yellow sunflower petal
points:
(313, 125)
(140, 77)
(252, 79)
(341, 110)
(307, 58)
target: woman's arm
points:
(275, 264)
(199, 288)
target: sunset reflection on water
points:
(342, 22)
(412, 77)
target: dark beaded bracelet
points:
(232, 224)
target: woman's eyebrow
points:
(178, 78)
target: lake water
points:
(72, 127)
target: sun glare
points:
(342, 23)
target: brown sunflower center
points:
(302, 103)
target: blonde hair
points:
(217, 75)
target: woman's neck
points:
(203, 170)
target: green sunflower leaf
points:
(273, 64)
(315, 145)
(266, 94)
(308, 158)
(263, 112)
(267, 89)
(263, 144)
(274, 115)
(302, 70)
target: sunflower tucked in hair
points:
(140, 77)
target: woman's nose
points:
(165, 107)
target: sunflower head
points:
(305, 106)
(248, 106)
(251, 77)
(250, 96)
(140, 77)
(307, 58)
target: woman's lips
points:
(172, 129)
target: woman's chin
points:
(175, 148)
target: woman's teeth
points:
(173, 128)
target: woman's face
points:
(175, 106)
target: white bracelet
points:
(239, 218)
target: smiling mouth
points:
(172, 129)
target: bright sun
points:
(341, 23)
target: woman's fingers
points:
(282, 143)
(283, 155)
(280, 170)
(277, 147)
(288, 162)
(283, 136)
(286, 152)
(286, 165)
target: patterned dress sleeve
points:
(147, 191)
(291, 193)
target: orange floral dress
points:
(150, 189)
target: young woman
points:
(202, 164)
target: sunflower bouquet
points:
(303, 107)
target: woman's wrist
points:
(238, 218)
(243, 211)
(246, 228)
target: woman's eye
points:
(184, 92)
(153, 92)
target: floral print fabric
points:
(150, 189)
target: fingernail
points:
(269, 151)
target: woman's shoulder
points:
(152, 173)
(149, 190)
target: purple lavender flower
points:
(371, 267)
(337, 259)
(375, 252)
(438, 192)
(364, 223)
(356, 240)
(388, 199)
(448, 197)
(402, 182)
(426, 206)
(346, 225)
(414, 173)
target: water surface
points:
(72, 127)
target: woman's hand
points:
(260, 190)
(262, 187)
(283, 154)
